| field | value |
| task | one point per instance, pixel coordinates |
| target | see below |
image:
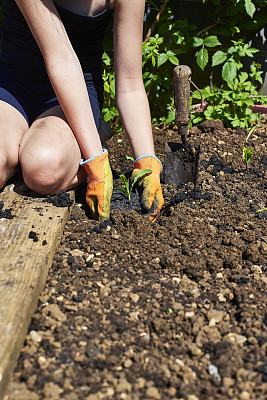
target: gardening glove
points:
(151, 199)
(100, 185)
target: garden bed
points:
(171, 310)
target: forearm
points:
(134, 110)
(68, 82)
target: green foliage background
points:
(212, 37)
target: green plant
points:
(154, 58)
(261, 210)
(168, 40)
(232, 102)
(128, 158)
(129, 183)
(203, 55)
(231, 59)
(247, 153)
(109, 112)
(158, 61)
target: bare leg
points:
(50, 155)
(12, 128)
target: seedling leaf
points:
(129, 184)
(129, 158)
(140, 175)
(125, 181)
(251, 131)
(247, 153)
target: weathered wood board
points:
(24, 264)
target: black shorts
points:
(31, 97)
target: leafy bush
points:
(219, 46)
(232, 102)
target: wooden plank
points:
(24, 264)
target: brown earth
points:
(171, 310)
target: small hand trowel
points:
(181, 159)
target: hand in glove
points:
(151, 199)
(100, 185)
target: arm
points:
(131, 97)
(64, 71)
(132, 101)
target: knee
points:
(3, 174)
(3, 170)
(7, 169)
(43, 171)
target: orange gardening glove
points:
(100, 185)
(151, 199)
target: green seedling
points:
(129, 183)
(247, 153)
(261, 210)
(128, 158)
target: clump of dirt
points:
(5, 213)
(33, 236)
(119, 201)
(212, 126)
(62, 199)
(171, 310)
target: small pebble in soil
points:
(33, 236)
(213, 370)
(62, 199)
(5, 213)
(77, 299)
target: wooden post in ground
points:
(27, 245)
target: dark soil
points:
(171, 310)
(62, 199)
(5, 213)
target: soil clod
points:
(62, 199)
(5, 213)
(33, 236)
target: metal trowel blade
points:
(181, 163)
